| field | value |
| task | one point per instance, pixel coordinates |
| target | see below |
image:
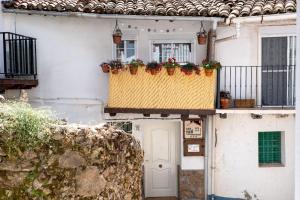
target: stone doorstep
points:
(161, 198)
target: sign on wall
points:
(193, 129)
(193, 137)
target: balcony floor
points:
(6, 84)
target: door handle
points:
(160, 165)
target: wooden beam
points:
(185, 112)
(6, 84)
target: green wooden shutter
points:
(269, 144)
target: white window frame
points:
(267, 32)
(192, 42)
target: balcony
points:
(18, 67)
(257, 87)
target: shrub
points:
(23, 127)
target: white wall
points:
(297, 128)
(236, 159)
(70, 49)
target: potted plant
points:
(117, 34)
(170, 66)
(116, 66)
(134, 65)
(105, 67)
(201, 35)
(153, 67)
(210, 66)
(225, 99)
(188, 68)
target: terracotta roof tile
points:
(212, 8)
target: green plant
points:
(116, 65)
(225, 94)
(136, 63)
(171, 63)
(211, 64)
(22, 127)
(153, 65)
(188, 66)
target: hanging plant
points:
(105, 67)
(116, 66)
(210, 66)
(153, 67)
(171, 66)
(117, 34)
(134, 65)
(202, 36)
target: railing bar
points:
(246, 82)
(4, 53)
(35, 59)
(282, 88)
(230, 79)
(11, 61)
(261, 88)
(241, 82)
(251, 70)
(225, 87)
(26, 56)
(21, 55)
(235, 85)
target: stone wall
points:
(191, 184)
(77, 163)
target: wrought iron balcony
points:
(18, 69)
(265, 87)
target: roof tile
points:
(211, 8)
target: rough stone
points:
(191, 184)
(94, 163)
(89, 182)
(71, 159)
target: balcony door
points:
(278, 65)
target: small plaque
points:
(193, 148)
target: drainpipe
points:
(212, 35)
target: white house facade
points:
(194, 147)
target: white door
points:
(161, 145)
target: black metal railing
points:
(19, 56)
(256, 86)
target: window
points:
(126, 51)
(269, 146)
(125, 126)
(181, 51)
(278, 70)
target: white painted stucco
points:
(297, 128)
(236, 158)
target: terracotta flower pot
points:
(133, 70)
(198, 71)
(117, 39)
(153, 71)
(201, 39)
(209, 72)
(171, 71)
(114, 71)
(105, 68)
(187, 72)
(225, 103)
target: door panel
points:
(160, 158)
